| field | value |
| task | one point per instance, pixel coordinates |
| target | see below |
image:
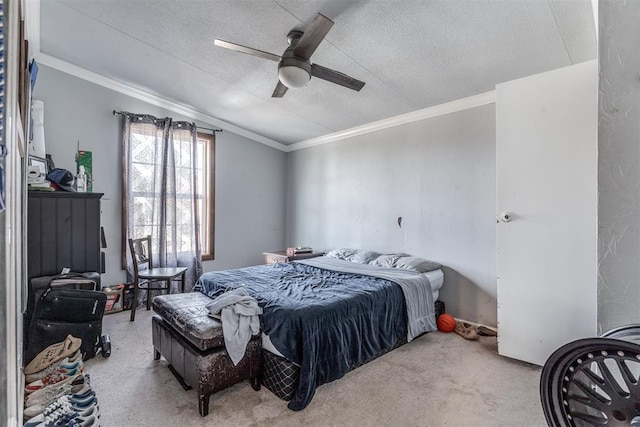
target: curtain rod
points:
(122, 113)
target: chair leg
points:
(134, 304)
(148, 297)
(182, 281)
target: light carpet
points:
(437, 380)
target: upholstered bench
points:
(193, 344)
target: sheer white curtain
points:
(160, 196)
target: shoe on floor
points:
(486, 332)
(52, 354)
(58, 367)
(466, 331)
(78, 402)
(65, 415)
(54, 378)
(73, 385)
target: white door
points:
(546, 157)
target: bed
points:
(327, 315)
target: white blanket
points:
(239, 315)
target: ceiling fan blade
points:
(247, 50)
(280, 90)
(312, 36)
(336, 77)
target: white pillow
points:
(353, 255)
(342, 253)
(364, 257)
(387, 260)
(419, 265)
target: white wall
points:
(619, 166)
(250, 177)
(437, 174)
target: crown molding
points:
(414, 116)
(90, 76)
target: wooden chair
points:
(144, 278)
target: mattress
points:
(436, 277)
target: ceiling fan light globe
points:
(293, 77)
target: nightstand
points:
(281, 256)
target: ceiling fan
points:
(294, 66)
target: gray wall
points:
(250, 177)
(619, 165)
(437, 174)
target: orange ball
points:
(446, 323)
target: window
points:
(206, 196)
(144, 176)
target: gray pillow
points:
(388, 260)
(342, 253)
(353, 255)
(420, 265)
(364, 257)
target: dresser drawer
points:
(270, 258)
(281, 256)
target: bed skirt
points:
(280, 376)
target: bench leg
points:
(203, 405)
(255, 383)
(156, 354)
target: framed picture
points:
(39, 163)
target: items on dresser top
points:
(287, 256)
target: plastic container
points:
(81, 181)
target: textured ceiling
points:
(412, 54)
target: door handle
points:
(506, 216)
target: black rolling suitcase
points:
(62, 305)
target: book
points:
(40, 186)
(302, 250)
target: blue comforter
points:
(326, 321)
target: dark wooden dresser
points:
(63, 231)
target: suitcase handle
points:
(70, 275)
(66, 276)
